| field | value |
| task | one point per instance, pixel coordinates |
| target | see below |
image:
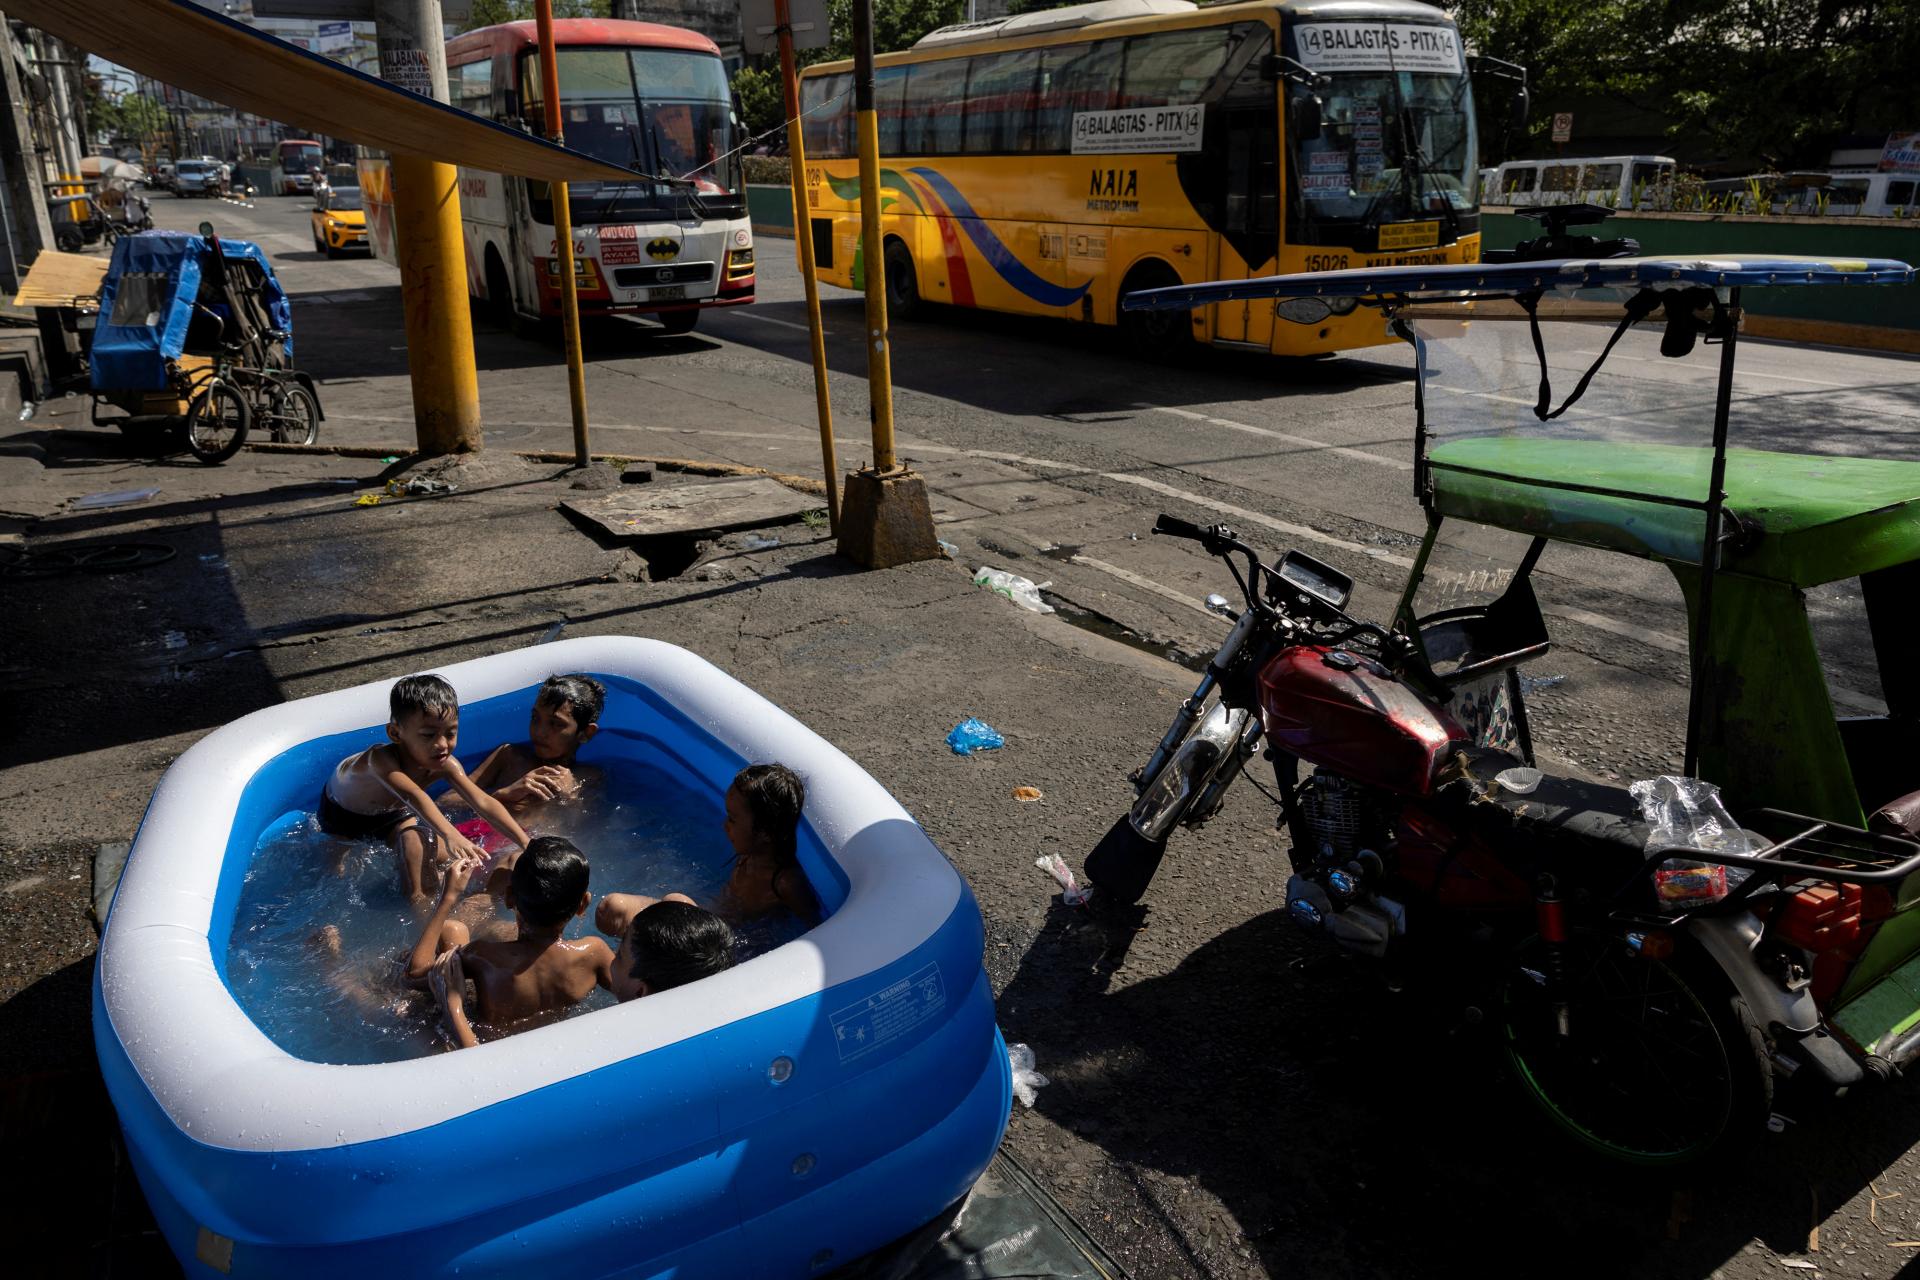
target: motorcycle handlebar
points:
(1175, 527)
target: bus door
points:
(1248, 245)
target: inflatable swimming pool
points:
(779, 1119)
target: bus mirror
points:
(1305, 122)
(1520, 107)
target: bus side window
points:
(1560, 177)
(1900, 194)
(1172, 68)
(824, 102)
(999, 101)
(935, 97)
(473, 90)
(889, 107)
(1073, 78)
(1519, 180)
(1602, 177)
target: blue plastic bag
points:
(972, 735)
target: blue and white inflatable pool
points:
(779, 1119)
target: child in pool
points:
(671, 943)
(525, 775)
(762, 825)
(382, 791)
(525, 980)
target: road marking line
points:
(784, 324)
(1305, 442)
(1146, 584)
(1278, 526)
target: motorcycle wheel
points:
(217, 423)
(1665, 1065)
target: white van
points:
(1619, 182)
(1865, 193)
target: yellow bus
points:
(1048, 163)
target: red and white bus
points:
(297, 162)
(643, 96)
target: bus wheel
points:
(499, 291)
(903, 285)
(674, 323)
(1154, 335)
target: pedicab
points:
(195, 335)
(1649, 973)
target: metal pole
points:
(879, 370)
(563, 237)
(1700, 695)
(427, 242)
(803, 240)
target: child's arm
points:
(449, 983)
(402, 784)
(427, 949)
(603, 966)
(485, 805)
(492, 767)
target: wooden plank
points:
(654, 510)
(57, 279)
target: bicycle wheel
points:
(293, 415)
(217, 422)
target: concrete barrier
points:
(1881, 318)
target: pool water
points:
(642, 832)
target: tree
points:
(896, 23)
(758, 91)
(1776, 80)
(487, 13)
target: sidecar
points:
(1797, 564)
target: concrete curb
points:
(687, 466)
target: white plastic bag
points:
(1071, 892)
(1688, 812)
(1026, 1081)
(1020, 590)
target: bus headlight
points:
(739, 263)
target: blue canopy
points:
(147, 300)
(1456, 281)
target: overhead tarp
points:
(228, 62)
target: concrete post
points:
(27, 227)
(427, 240)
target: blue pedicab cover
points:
(147, 299)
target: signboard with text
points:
(1142, 129)
(760, 33)
(1562, 126)
(1378, 46)
(1901, 154)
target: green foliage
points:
(486, 13)
(767, 170)
(896, 23)
(758, 92)
(1773, 80)
(132, 117)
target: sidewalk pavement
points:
(264, 580)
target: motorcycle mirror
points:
(1303, 310)
(1217, 603)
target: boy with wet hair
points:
(526, 980)
(669, 944)
(524, 775)
(381, 791)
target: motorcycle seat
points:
(1565, 815)
(1897, 818)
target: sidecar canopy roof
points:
(147, 300)
(1812, 518)
(1455, 282)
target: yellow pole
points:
(433, 290)
(803, 239)
(563, 238)
(879, 368)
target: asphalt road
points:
(1049, 452)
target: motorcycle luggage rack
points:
(1827, 851)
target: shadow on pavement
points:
(1351, 1131)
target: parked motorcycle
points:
(1646, 985)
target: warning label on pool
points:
(888, 1014)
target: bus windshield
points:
(1393, 146)
(667, 113)
(299, 157)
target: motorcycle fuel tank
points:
(1349, 714)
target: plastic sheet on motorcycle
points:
(146, 302)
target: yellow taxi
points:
(339, 221)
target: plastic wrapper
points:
(1021, 591)
(974, 734)
(1688, 812)
(1026, 1081)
